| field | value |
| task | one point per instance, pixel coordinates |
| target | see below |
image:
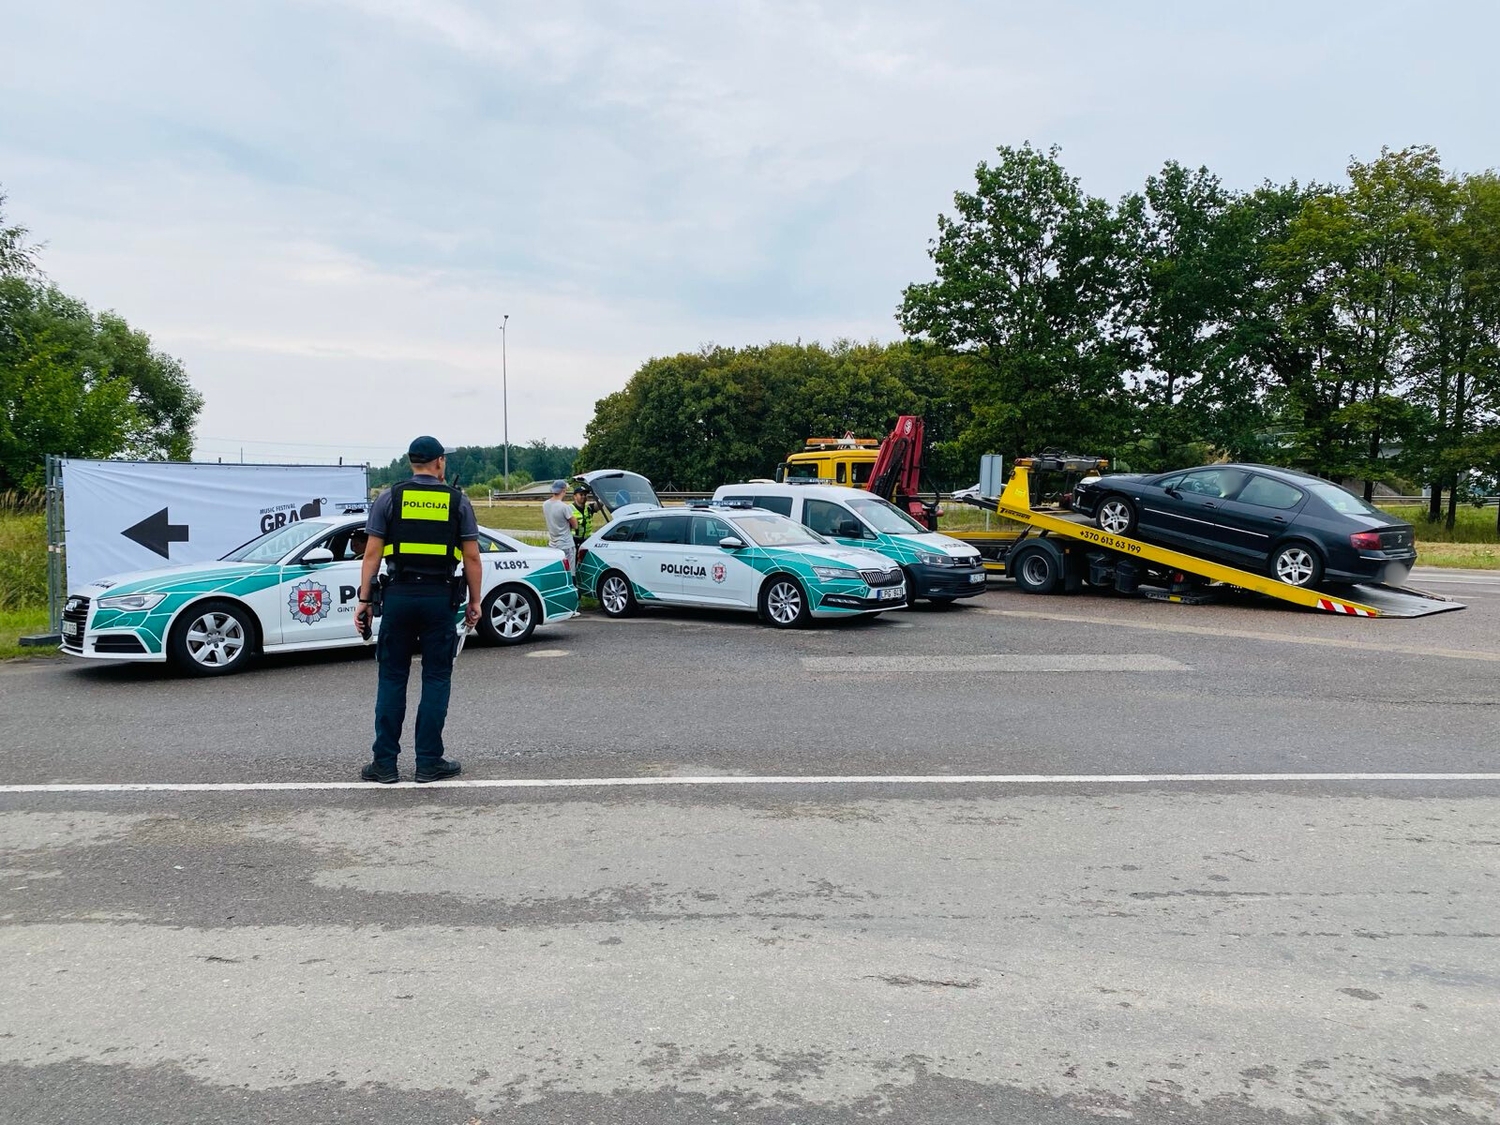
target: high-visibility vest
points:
(424, 529)
(582, 530)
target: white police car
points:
(730, 558)
(938, 567)
(291, 590)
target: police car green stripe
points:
(733, 558)
(273, 595)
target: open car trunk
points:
(619, 493)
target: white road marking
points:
(545, 653)
(1252, 635)
(1457, 582)
(1010, 662)
(750, 780)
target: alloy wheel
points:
(614, 594)
(1114, 516)
(510, 614)
(215, 640)
(1295, 566)
(784, 603)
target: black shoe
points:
(441, 770)
(372, 772)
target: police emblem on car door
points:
(318, 598)
(713, 575)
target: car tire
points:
(1036, 569)
(1116, 515)
(1297, 564)
(509, 616)
(213, 638)
(783, 602)
(616, 597)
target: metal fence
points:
(57, 557)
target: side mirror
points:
(732, 543)
(317, 555)
(1173, 493)
(850, 529)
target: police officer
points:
(423, 529)
(583, 514)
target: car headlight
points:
(934, 560)
(131, 601)
(834, 573)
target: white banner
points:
(139, 515)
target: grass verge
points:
(16, 623)
(516, 514)
(1465, 556)
(1470, 524)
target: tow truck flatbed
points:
(1081, 554)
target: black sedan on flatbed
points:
(1300, 529)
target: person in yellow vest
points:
(425, 532)
(584, 515)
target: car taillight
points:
(1365, 540)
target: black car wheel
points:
(616, 597)
(1035, 568)
(213, 638)
(783, 602)
(1297, 564)
(1116, 515)
(510, 616)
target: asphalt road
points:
(653, 947)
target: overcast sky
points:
(325, 207)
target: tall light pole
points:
(504, 402)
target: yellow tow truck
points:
(848, 460)
(1052, 550)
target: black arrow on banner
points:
(155, 534)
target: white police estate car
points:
(293, 589)
(937, 566)
(732, 558)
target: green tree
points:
(1028, 272)
(81, 386)
(1347, 282)
(470, 464)
(1457, 340)
(55, 395)
(17, 255)
(78, 384)
(699, 419)
(1192, 255)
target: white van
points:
(937, 566)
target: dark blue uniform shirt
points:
(384, 510)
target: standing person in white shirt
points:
(560, 523)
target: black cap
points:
(425, 448)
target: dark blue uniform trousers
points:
(415, 619)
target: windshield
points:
(766, 529)
(1345, 503)
(885, 517)
(805, 470)
(615, 490)
(271, 546)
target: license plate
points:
(888, 595)
(70, 629)
(977, 577)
